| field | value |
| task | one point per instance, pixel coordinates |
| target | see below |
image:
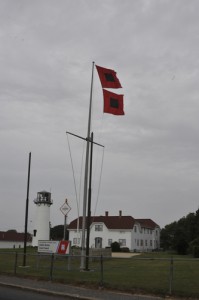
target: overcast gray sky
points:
(151, 157)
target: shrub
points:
(196, 251)
(115, 246)
(125, 249)
(193, 244)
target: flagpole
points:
(86, 176)
(26, 214)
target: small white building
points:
(137, 234)
(13, 239)
(42, 219)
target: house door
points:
(98, 242)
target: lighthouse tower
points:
(42, 221)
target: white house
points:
(13, 239)
(136, 234)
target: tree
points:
(179, 234)
(167, 236)
(57, 233)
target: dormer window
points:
(99, 227)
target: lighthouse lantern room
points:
(42, 221)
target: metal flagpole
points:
(26, 213)
(86, 176)
(85, 256)
(65, 227)
(89, 204)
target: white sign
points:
(60, 247)
(65, 208)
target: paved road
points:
(10, 293)
(66, 290)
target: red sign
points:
(63, 247)
(60, 247)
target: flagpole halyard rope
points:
(73, 171)
(98, 183)
(81, 173)
(100, 179)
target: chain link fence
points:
(163, 276)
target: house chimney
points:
(106, 213)
(120, 213)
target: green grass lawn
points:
(148, 273)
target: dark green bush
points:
(125, 249)
(193, 244)
(196, 251)
(115, 246)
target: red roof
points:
(116, 222)
(13, 236)
(111, 222)
(147, 223)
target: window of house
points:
(138, 243)
(76, 241)
(122, 242)
(135, 229)
(146, 243)
(141, 242)
(151, 243)
(99, 227)
(109, 242)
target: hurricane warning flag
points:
(108, 78)
(113, 103)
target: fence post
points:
(101, 271)
(171, 276)
(15, 265)
(69, 262)
(51, 267)
(38, 260)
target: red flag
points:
(108, 78)
(113, 103)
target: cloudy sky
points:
(151, 158)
